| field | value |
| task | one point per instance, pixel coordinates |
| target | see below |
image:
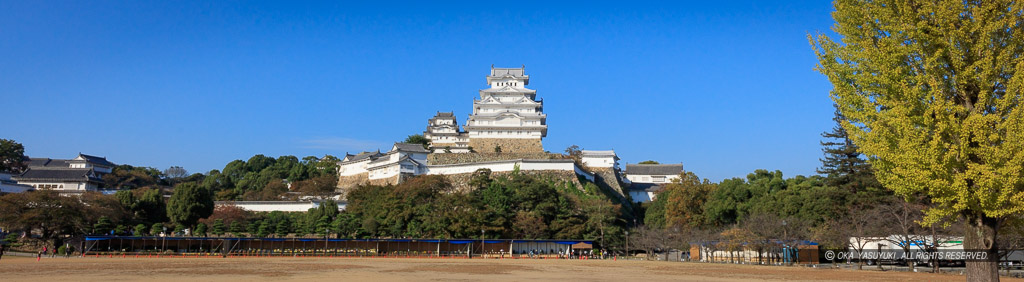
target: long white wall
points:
(647, 178)
(509, 165)
(269, 206)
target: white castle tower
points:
(508, 117)
(444, 134)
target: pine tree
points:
(843, 165)
(103, 226)
(140, 230)
(200, 230)
(156, 229)
(237, 229)
(282, 228)
(263, 230)
(218, 227)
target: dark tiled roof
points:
(646, 187)
(508, 71)
(654, 169)
(58, 174)
(57, 163)
(446, 114)
(97, 160)
(47, 162)
(591, 153)
(362, 155)
(415, 148)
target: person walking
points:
(53, 252)
(3, 248)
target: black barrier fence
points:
(112, 246)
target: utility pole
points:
(481, 243)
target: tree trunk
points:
(981, 237)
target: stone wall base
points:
(351, 181)
(487, 145)
(386, 181)
(461, 181)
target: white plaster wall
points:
(645, 178)
(599, 162)
(354, 168)
(505, 133)
(102, 169)
(284, 206)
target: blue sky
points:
(724, 88)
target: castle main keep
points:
(502, 135)
(508, 118)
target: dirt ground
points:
(380, 269)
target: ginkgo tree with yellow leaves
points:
(932, 95)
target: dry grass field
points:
(369, 269)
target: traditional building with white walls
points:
(444, 134)
(402, 161)
(78, 175)
(600, 159)
(508, 117)
(646, 180)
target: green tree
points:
(649, 162)
(259, 162)
(140, 230)
(189, 203)
(217, 182)
(156, 229)
(12, 156)
(481, 179)
(103, 226)
(728, 203)
(843, 166)
(129, 177)
(417, 139)
(150, 206)
(283, 228)
(263, 230)
(684, 200)
(218, 227)
(237, 229)
(200, 230)
(932, 91)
